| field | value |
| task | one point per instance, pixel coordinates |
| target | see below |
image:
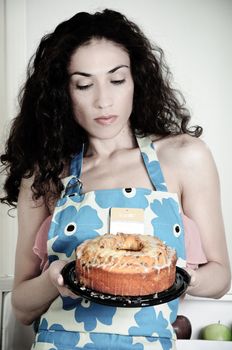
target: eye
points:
(176, 230)
(83, 87)
(118, 82)
(70, 229)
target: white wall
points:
(196, 36)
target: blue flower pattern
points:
(168, 224)
(157, 323)
(93, 313)
(114, 342)
(55, 335)
(81, 324)
(173, 306)
(154, 166)
(89, 313)
(119, 198)
(69, 225)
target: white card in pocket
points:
(127, 220)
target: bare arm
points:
(201, 201)
(33, 292)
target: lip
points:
(106, 119)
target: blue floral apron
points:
(80, 324)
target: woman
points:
(97, 106)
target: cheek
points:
(130, 94)
(127, 101)
(80, 111)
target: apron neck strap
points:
(76, 163)
(152, 163)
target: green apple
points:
(216, 331)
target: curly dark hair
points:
(44, 135)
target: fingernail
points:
(60, 280)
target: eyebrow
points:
(90, 75)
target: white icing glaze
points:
(122, 251)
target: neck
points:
(106, 147)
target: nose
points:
(103, 98)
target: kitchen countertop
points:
(203, 345)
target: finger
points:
(54, 272)
(60, 280)
(65, 292)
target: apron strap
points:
(152, 163)
(76, 163)
(72, 183)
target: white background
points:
(196, 37)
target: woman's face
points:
(101, 88)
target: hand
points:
(57, 279)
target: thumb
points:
(55, 272)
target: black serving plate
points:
(177, 289)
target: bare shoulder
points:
(184, 150)
(187, 163)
